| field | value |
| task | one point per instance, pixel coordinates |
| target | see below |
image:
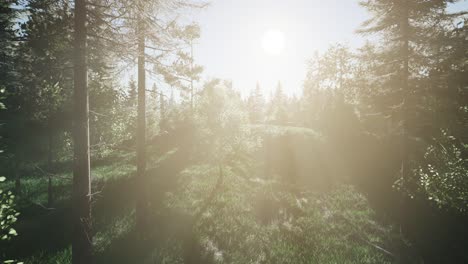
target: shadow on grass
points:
(118, 199)
(47, 231)
(42, 231)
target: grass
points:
(61, 257)
(263, 222)
(248, 221)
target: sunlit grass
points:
(61, 257)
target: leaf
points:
(12, 232)
(2, 179)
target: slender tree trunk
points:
(191, 76)
(141, 204)
(340, 79)
(268, 151)
(17, 173)
(406, 91)
(82, 237)
(405, 26)
(162, 108)
(50, 172)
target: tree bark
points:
(17, 173)
(50, 198)
(405, 170)
(141, 203)
(191, 76)
(405, 90)
(81, 237)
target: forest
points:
(116, 147)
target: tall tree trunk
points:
(406, 93)
(50, 172)
(268, 157)
(191, 76)
(141, 204)
(82, 237)
(162, 112)
(17, 173)
(162, 106)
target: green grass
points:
(61, 257)
(112, 172)
(118, 228)
(249, 221)
(263, 222)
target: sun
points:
(273, 42)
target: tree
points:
(255, 105)
(9, 78)
(407, 89)
(153, 109)
(277, 112)
(47, 72)
(402, 26)
(141, 206)
(8, 213)
(443, 174)
(82, 236)
(182, 73)
(8, 14)
(156, 35)
(132, 93)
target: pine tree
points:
(132, 93)
(402, 26)
(8, 36)
(255, 105)
(46, 91)
(82, 236)
(277, 112)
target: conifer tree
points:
(401, 26)
(82, 236)
(255, 105)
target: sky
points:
(230, 46)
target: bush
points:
(443, 177)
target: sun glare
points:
(273, 42)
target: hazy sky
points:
(231, 41)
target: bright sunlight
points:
(273, 42)
(232, 132)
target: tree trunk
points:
(405, 26)
(17, 173)
(50, 172)
(81, 237)
(141, 203)
(268, 157)
(406, 92)
(191, 76)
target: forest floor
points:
(45, 233)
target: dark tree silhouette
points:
(82, 237)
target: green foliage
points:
(217, 156)
(220, 123)
(115, 230)
(256, 221)
(61, 257)
(8, 213)
(443, 177)
(256, 105)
